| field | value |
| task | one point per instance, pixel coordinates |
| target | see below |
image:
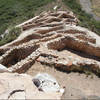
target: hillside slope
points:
(96, 7)
(53, 34)
(52, 43)
(12, 14)
(87, 6)
(15, 11)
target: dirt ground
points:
(88, 85)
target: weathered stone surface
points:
(53, 38)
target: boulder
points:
(47, 83)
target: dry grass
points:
(96, 7)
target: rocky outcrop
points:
(53, 38)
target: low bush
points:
(10, 36)
(86, 20)
(13, 12)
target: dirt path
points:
(88, 85)
(87, 6)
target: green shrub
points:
(13, 12)
(86, 20)
(12, 35)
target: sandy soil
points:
(88, 85)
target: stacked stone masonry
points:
(53, 38)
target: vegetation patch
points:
(10, 36)
(96, 7)
(86, 20)
(13, 12)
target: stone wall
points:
(47, 38)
